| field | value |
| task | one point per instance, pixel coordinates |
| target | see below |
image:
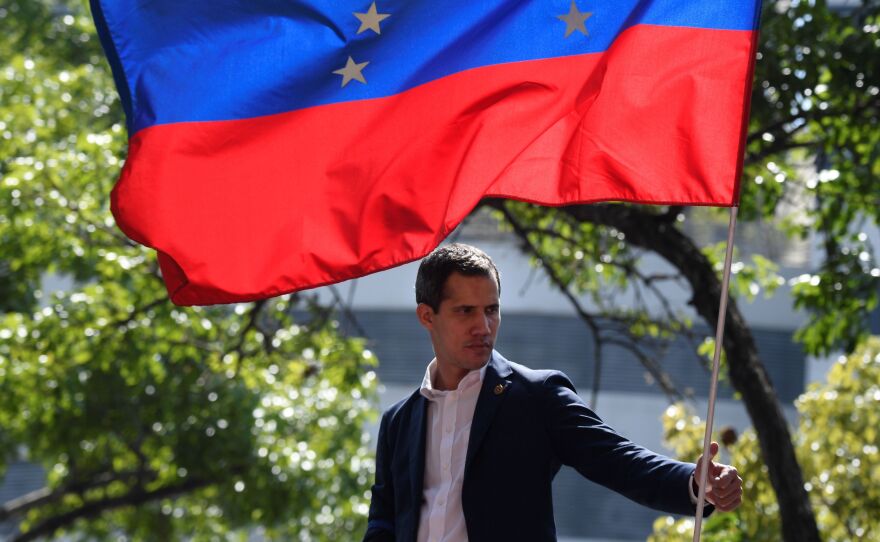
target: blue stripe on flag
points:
(182, 61)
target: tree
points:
(152, 421)
(811, 169)
(837, 444)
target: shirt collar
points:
(429, 392)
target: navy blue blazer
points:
(519, 439)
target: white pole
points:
(713, 388)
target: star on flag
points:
(352, 70)
(371, 19)
(574, 20)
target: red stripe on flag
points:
(247, 209)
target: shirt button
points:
(449, 429)
(441, 502)
(446, 466)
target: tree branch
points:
(91, 509)
(589, 319)
(238, 349)
(43, 496)
(782, 147)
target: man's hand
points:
(724, 486)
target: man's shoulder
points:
(402, 407)
(546, 386)
(536, 377)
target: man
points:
(471, 455)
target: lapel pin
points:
(499, 389)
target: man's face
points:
(464, 328)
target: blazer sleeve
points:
(380, 526)
(583, 441)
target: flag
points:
(278, 145)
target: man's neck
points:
(447, 377)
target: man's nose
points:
(483, 325)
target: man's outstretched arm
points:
(599, 453)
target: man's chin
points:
(478, 355)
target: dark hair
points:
(442, 262)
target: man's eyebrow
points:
(466, 306)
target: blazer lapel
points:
(418, 421)
(492, 393)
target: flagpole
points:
(713, 388)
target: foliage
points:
(813, 156)
(152, 421)
(837, 446)
(253, 426)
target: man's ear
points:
(425, 314)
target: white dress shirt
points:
(450, 414)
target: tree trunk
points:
(747, 374)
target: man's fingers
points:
(713, 449)
(723, 484)
(725, 491)
(726, 505)
(714, 469)
(724, 477)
